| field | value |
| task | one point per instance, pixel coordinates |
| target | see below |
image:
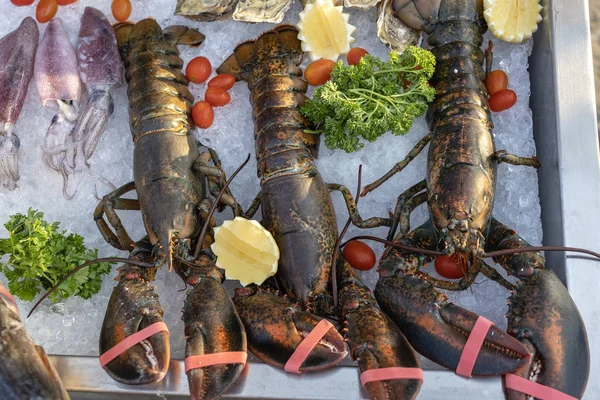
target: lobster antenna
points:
(214, 207)
(397, 245)
(336, 248)
(499, 253)
(85, 264)
(496, 253)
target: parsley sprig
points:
(41, 255)
(371, 98)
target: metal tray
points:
(565, 132)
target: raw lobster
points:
(25, 371)
(170, 179)
(298, 211)
(547, 342)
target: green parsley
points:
(371, 98)
(40, 256)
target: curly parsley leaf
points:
(41, 255)
(364, 101)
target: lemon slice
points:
(246, 251)
(325, 31)
(512, 20)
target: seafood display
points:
(170, 178)
(547, 341)
(298, 211)
(73, 135)
(59, 87)
(25, 371)
(17, 51)
(320, 307)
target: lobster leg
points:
(357, 220)
(436, 328)
(216, 180)
(544, 317)
(373, 338)
(108, 205)
(503, 157)
(407, 202)
(400, 165)
(132, 307)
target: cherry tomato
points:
(202, 114)
(22, 2)
(217, 96)
(502, 100)
(355, 54)
(121, 9)
(198, 69)
(223, 81)
(46, 10)
(319, 72)
(451, 267)
(359, 255)
(65, 2)
(496, 81)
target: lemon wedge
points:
(324, 30)
(512, 20)
(246, 251)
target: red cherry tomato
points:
(22, 2)
(217, 97)
(355, 54)
(65, 2)
(198, 70)
(359, 255)
(450, 267)
(121, 10)
(223, 81)
(202, 114)
(46, 10)
(318, 72)
(502, 100)
(496, 81)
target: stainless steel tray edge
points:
(578, 160)
(85, 379)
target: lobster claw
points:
(132, 307)
(212, 326)
(544, 317)
(438, 329)
(373, 338)
(275, 328)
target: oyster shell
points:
(361, 4)
(393, 32)
(261, 10)
(335, 2)
(205, 10)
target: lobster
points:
(25, 371)
(298, 211)
(546, 341)
(171, 176)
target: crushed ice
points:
(74, 327)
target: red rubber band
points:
(534, 389)
(206, 360)
(131, 341)
(306, 346)
(9, 298)
(473, 346)
(386, 374)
